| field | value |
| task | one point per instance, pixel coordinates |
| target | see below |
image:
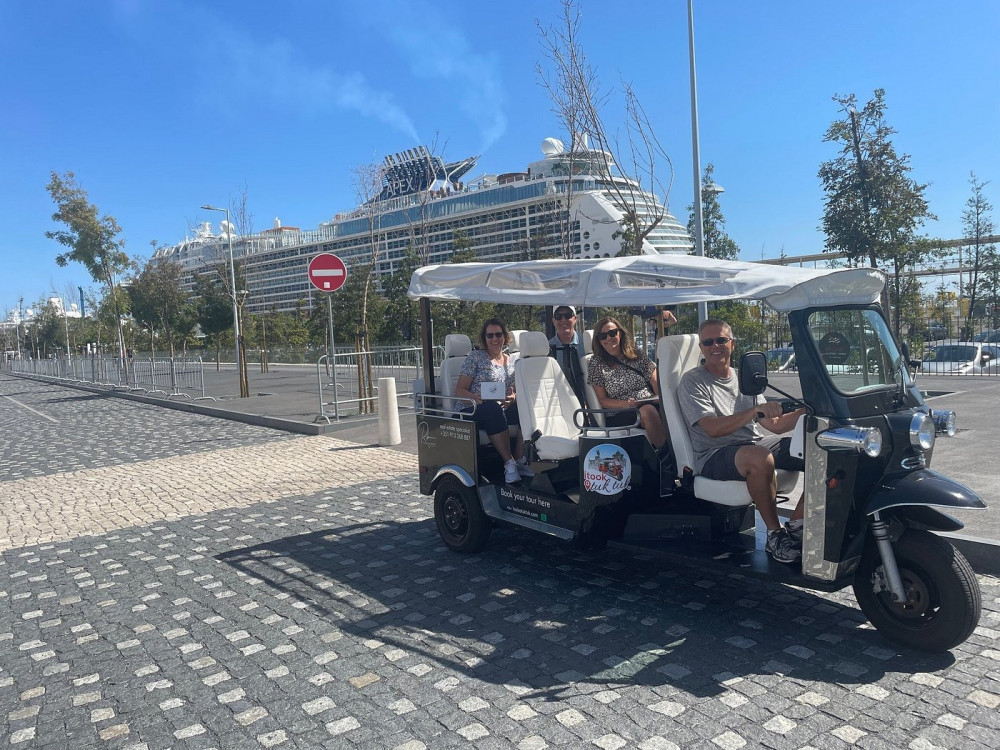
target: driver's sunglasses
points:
(720, 340)
(563, 316)
(497, 335)
(604, 334)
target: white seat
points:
(515, 341)
(588, 353)
(545, 400)
(675, 355)
(456, 348)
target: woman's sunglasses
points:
(604, 334)
(720, 340)
(497, 335)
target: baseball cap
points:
(567, 307)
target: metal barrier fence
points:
(170, 376)
(349, 373)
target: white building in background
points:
(424, 202)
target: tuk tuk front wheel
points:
(460, 519)
(943, 601)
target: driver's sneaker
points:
(511, 473)
(780, 546)
(794, 529)
(523, 469)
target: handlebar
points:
(787, 406)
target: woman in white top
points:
(492, 364)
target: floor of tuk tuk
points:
(736, 552)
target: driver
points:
(728, 441)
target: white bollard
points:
(388, 413)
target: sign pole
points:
(328, 273)
(332, 353)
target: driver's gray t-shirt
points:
(701, 394)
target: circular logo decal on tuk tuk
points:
(607, 469)
(835, 348)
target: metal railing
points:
(171, 376)
(348, 374)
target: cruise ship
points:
(422, 203)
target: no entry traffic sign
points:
(327, 272)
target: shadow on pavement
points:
(544, 615)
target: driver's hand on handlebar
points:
(769, 410)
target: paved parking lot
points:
(170, 580)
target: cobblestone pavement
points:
(292, 592)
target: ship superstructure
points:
(565, 205)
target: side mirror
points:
(753, 373)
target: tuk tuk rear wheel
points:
(943, 601)
(460, 519)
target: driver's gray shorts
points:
(721, 465)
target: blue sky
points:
(161, 106)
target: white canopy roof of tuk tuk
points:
(645, 280)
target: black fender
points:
(910, 494)
(903, 517)
(456, 471)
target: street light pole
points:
(66, 321)
(17, 329)
(699, 239)
(236, 310)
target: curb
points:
(260, 420)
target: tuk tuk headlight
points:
(922, 431)
(944, 422)
(867, 440)
(871, 445)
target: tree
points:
(401, 321)
(872, 208)
(157, 297)
(460, 317)
(578, 103)
(214, 309)
(418, 216)
(977, 225)
(92, 240)
(47, 328)
(717, 243)
(368, 181)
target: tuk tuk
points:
(871, 501)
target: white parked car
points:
(961, 358)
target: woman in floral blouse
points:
(622, 377)
(492, 364)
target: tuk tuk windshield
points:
(857, 349)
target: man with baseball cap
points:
(567, 347)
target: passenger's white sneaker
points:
(510, 472)
(523, 469)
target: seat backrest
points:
(515, 341)
(456, 348)
(675, 355)
(545, 398)
(588, 349)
